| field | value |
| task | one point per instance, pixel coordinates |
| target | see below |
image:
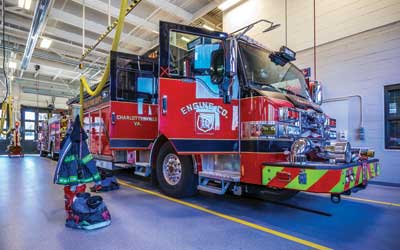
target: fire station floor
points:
(32, 217)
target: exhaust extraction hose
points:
(84, 83)
(6, 107)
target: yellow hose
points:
(84, 84)
(6, 105)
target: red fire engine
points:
(220, 113)
(50, 135)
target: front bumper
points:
(319, 177)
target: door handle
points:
(164, 105)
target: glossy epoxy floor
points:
(32, 217)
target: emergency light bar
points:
(287, 53)
(282, 57)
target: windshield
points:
(266, 75)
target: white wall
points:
(362, 65)
(334, 19)
(21, 98)
(358, 53)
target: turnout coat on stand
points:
(75, 165)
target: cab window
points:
(191, 56)
(133, 86)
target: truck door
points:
(134, 106)
(193, 114)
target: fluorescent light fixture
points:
(155, 32)
(12, 78)
(227, 4)
(45, 44)
(184, 38)
(12, 65)
(27, 4)
(208, 27)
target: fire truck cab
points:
(220, 112)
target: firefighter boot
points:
(69, 194)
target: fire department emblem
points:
(205, 122)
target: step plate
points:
(210, 189)
(221, 175)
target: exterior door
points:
(30, 119)
(192, 112)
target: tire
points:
(175, 173)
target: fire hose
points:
(84, 86)
(6, 107)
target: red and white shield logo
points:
(205, 122)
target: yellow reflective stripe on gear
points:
(73, 178)
(313, 175)
(87, 158)
(69, 158)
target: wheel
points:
(269, 194)
(175, 174)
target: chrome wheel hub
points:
(172, 169)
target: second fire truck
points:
(219, 112)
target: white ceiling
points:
(59, 74)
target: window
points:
(392, 116)
(126, 85)
(29, 115)
(145, 85)
(135, 78)
(29, 125)
(43, 116)
(29, 135)
(133, 86)
(263, 74)
(191, 57)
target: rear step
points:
(122, 165)
(218, 182)
(142, 169)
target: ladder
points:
(218, 182)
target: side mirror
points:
(217, 68)
(316, 92)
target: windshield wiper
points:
(291, 92)
(277, 89)
(263, 85)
